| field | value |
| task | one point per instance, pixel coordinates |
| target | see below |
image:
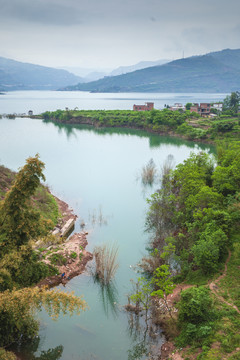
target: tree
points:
(142, 295)
(231, 102)
(17, 308)
(19, 222)
(163, 283)
(188, 106)
(196, 312)
(206, 255)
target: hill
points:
(141, 65)
(15, 75)
(213, 72)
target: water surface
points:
(40, 101)
(98, 173)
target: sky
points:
(106, 34)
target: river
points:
(97, 172)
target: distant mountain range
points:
(15, 75)
(213, 72)
(141, 65)
(88, 75)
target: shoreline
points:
(93, 123)
(76, 244)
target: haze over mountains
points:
(94, 74)
(15, 75)
(213, 72)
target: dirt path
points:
(167, 349)
(214, 288)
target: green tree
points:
(188, 106)
(163, 284)
(142, 295)
(19, 221)
(231, 102)
(17, 308)
(196, 313)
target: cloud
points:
(115, 32)
(37, 11)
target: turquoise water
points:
(98, 174)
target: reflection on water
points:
(28, 350)
(96, 217)
(108, 294)
(147, 338)
(155, 140)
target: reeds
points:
(106, 262)
(148, 173)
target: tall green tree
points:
(20, 222)
(231, 102)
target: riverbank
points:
(70, 257)
(186, 125)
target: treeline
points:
(187, 124)
(161, 121)
(194, 219)
(22, 223)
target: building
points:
(177, 106)
(203, 109)
(217, 106)
(30, 112)
(194, 108)
(147, 107)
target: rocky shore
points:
(72, 251)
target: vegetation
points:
(106, 262)
(186, 124)
(196, 215)
(213, 72)
(22, 221)
(148, 173)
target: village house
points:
(177, 106)
(217, 106)
(147, 107)
(203, 109)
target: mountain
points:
(213, 72)
(89, 75)
(15, 75)
(141, 65)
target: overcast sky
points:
(111, 33)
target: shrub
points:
(57, 259)
(196, 315)
(73, 255)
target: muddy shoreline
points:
(76, 244)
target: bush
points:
(196, 314)
(206, 255)
(73, 255)
(57, 259)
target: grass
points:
(230, 284)
(106, 262)
(225, 340)
(148, 173)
